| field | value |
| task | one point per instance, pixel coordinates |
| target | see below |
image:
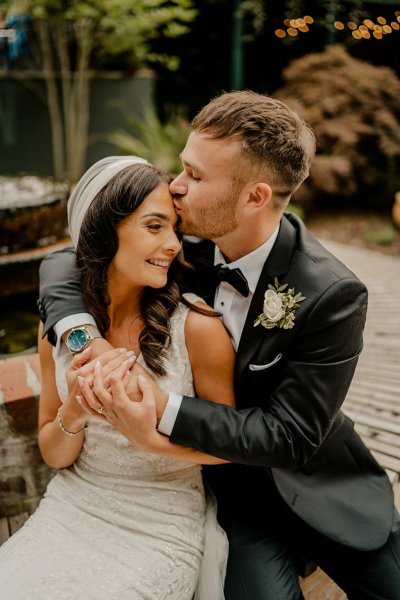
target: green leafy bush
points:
(354, 109)
(160, 143)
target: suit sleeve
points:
(285, 427)
(60, 292)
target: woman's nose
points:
(173, 244)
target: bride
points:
(117, 523)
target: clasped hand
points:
(114, 388)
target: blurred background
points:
(83, 79)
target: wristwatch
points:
(79, 337)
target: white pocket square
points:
(267, 365)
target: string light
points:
(338, 25)
(293, 26)
(365, 30)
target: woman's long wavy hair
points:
(97, 246)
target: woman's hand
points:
(137, 420)
(82, 368)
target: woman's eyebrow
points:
(156, 214)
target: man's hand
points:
(133, 389)
(109, 361)
(136, 420)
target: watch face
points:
(77, 339)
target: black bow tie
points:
(219, 273)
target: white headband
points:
(90, 185)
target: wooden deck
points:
(373, 399)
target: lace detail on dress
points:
(118, 524)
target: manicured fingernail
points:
(131, 359)
(97, 365)
(142, 379)
(86, 351)
(122, 350)
(89, 380)
(130, 353)
(80, 380)
(78, 399)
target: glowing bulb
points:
(280, 33)
(338, 25)
(292, 32)
(381, 20)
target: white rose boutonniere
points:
(279, 307)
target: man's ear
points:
(259, 196)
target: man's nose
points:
(178, 187)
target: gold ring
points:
(101, 410)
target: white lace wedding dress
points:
(120, 524)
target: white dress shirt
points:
(233, 306)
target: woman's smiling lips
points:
(159, 263)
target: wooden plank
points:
(4, 530)
(382, 436)
(385, 424)
(319, 586)
(383, 448)
(387, 462)
(17, 521)
(368, 397)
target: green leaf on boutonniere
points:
(279, 306)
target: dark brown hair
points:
(275, 139)
(97, 246)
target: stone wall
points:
(23, 474)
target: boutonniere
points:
(279, 307)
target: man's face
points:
(205, 194)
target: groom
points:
(300, 483)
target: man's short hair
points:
(277, 143)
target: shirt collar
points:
(251, 264)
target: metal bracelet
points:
(61, 425)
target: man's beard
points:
(210, 226)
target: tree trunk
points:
(53, 101)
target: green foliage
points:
(354, 109)
(160, 143)
(116, 27)
(383, 237)
(296, 209)
(18, 332)
(72, 37)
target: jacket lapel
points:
(276, 265)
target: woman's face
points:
(147, 242)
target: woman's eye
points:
(154, 226)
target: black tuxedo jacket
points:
(289, 387)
